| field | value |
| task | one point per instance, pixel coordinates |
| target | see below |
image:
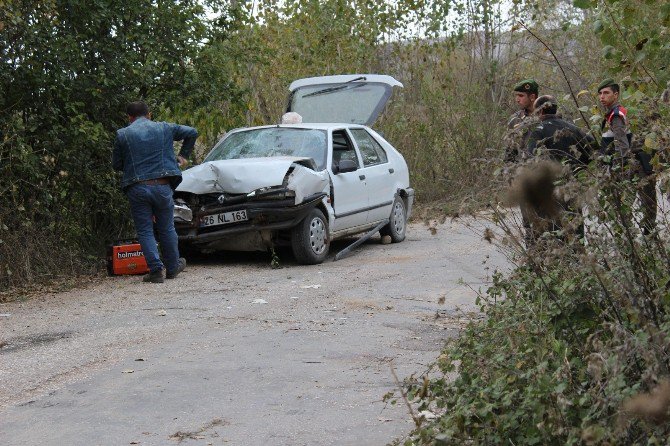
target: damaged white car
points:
(300, 185)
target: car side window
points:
(343, 149)
(372, 152)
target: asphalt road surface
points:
(233, 352)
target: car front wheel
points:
(397, 222)
(309, 239)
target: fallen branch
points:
(417, 420)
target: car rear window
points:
(355, 103)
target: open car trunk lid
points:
(349, 98)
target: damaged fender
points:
(306, 182)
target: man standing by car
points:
(629, 162)
(144, 152)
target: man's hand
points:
(181, 161)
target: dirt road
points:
(234, 352)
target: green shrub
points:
(576, 330)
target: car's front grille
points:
(215, 200)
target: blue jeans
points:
(148, 201)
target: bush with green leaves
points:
(574, 332)
(67, 70)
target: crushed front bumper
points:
(262, 216)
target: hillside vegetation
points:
(69, 68)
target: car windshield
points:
(273, 141)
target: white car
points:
(302, 185)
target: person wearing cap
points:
(563, 142)
(144, 153)
(617, 142)
(525, 94)
(617, 136)
(518, 127)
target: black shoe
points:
(181, 264)
(154, 277)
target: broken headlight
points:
(181, 211)
(271, 193)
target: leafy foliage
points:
(576, 332)
(571, 335)
(69, 67)
(67, 71)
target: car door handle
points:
(391, 170)
(361, 177)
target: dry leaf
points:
(651, 406)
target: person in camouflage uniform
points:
(518, 129)
(525, 95)
(628, 161)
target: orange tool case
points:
(126, 257)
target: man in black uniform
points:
(560, 140)
(633, 163)
(563, 142)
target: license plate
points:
(224, 218)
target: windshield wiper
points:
(338, 88)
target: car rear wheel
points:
(397, 222)
(309, 239)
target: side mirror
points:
(347, 166)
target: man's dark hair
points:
(615, 88)
(547, 104)
(137, 109)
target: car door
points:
(349, 196)
(379, 175)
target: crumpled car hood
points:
(242, 176)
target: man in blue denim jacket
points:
(144, 152)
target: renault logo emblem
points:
(221, 198)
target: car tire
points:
(309, 239)
(397, 222)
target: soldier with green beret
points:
(518, 129)
(617, 142)
(525, 94)
(617, 136)
(527, 86)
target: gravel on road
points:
(234, 352)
